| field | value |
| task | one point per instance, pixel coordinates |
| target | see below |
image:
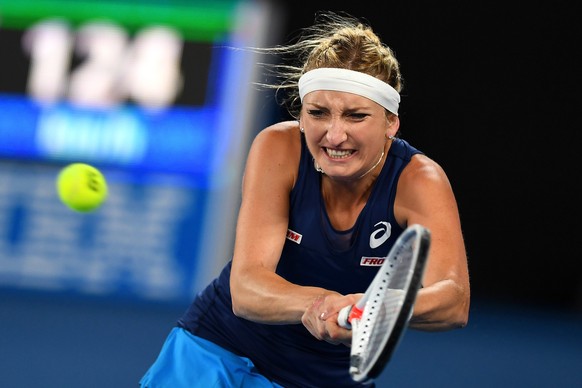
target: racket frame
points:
(361, 316)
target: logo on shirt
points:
(367, 261)
(381, 234)
(294, 236)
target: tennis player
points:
(323, 200)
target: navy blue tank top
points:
(314, 254)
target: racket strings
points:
(376, 332)
(371, 333)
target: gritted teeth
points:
(338, 153)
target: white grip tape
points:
(342, 318)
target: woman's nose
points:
(336, 134)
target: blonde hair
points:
(336, 40)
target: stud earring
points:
(302, 130)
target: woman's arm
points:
(258, 293)
(424, 196)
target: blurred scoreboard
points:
(156, 95)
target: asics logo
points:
(381, 234)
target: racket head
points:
(389, 304)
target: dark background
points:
(490, 93)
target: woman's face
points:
(346, 133)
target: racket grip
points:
(347, 315)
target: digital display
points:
(156, 95)
(131, 83)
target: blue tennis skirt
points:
(189, 361)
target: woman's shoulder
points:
(283, 127)
(423, 172)
(278, 146)
(282, 135)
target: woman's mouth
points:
(338, 154)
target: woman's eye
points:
(358, 116)
(315, 112)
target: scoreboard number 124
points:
(112, 67)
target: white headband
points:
(350, 81)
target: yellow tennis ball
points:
(81, 187)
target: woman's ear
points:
(393, 124)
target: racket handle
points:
(348, 314)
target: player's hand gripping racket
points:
(380, 317)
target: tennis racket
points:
(379, 318)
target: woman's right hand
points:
(321, 318)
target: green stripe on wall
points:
(196, 20)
